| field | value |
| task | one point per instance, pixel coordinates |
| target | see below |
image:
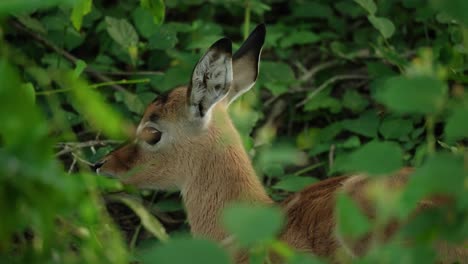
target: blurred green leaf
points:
(184, 250)
(294, 183)
(122, 32)
(368, 5)
(350, 220)
(308, 138)
(299, 38)
(147, 220)
(384, 25)
(30, 91)
(276, 76)
(163, 38)
(252, 223)
(375, 158)
(157, 9)
(396, 128)
(354, 101)
(80, 9)
(456, 127)
(29, 5)
(366, 125)
(440, 173)
(416, 95)
(455, 8)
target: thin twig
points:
(37, 37)
(71, 146)
(308, 74)
(80, 159)
(327, 83)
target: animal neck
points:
(224, 175)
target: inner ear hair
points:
(211, 78)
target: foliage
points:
(345, 86)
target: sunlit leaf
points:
(157, 9)
(384, 25)
(147, 220)
(81, 8)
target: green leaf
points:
(133, 102)
(368, 5)
(143, 22)
(163, 38)
(454, 8)
(294, 183)
(150, 222)
(350, 220)
(442, 173)
(323, 100)
(396, 128)
(185, 250)
(81, 8)
(366, 125)
(79, 68)
(32, 23)
(30, 91)
(456, 127)
(354, 101)
(21, 6)
(251, 224)
(414, 95)
(299, 38)
(157, 9)
(91, 105)
(308, 138)
(383, 25)
(374, 158)
(276, 77)
(122, 32)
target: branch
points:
(37, 37)
(327, 83)
(68, 147)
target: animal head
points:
(180, 128)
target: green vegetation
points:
(345, 86)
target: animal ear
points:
(246, 62)
(211, 79)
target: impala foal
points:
(186, 140)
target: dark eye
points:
(150, 135)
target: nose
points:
(96, 166)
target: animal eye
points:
(151, 135)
